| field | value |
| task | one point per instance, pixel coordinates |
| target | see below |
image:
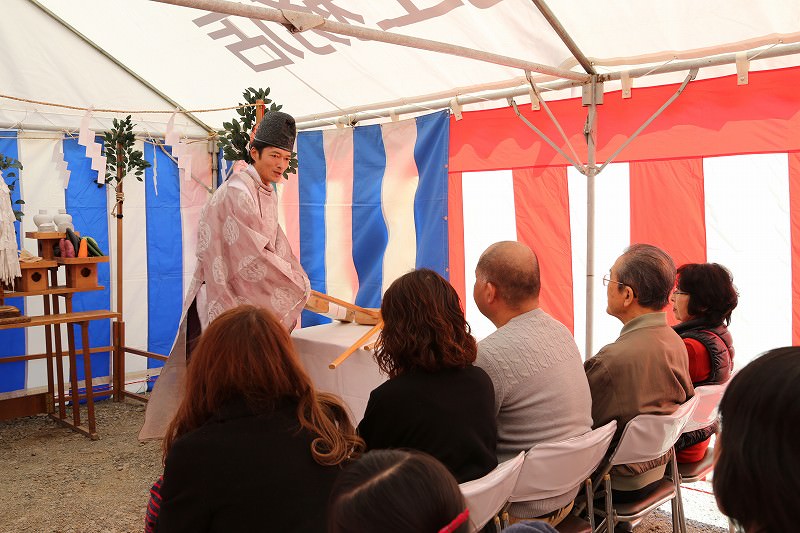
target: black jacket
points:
(244, 471)
(448, 414)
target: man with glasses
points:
(646, 370)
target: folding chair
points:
(554, 469)
(645, 438)
(487, 495)
(708, 397)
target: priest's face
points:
(270, 163)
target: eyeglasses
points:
(607, 280)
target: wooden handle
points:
(356, 345)
(319, 302)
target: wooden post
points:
(259, 112)
(118, 364)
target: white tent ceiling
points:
(198, 60)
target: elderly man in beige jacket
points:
(646, 370)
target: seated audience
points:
(646, 369)
(757, 472)
(435, 400)
(541, 393)
(703, 302)
(253, 446)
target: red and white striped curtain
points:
(715, 178)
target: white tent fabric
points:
(202, 60)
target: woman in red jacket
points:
(703, 302)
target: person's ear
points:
(491, 292)
(629, 297)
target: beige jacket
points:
(645, 371)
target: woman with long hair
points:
(757, 470)
(253, 446)
(435, 400)
(703, 301)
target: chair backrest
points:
(555, 468)
(487, 495)
(708, 397)
(648, 437)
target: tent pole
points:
(692, 75)
(442, 100)
(551, 19)
(555, 121)
(590, 131)
(575, 163)
(298, 21)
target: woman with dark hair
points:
(388, 491)
(253, 446)
(757, 472)
(703, 301)
(435, 400)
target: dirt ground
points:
(55, 480)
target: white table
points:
(355, 378)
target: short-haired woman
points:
(253, 446)
(757, 472)
(435, 400)
(703, 302)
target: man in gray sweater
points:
(541, 390)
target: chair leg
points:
(678, 517)
(611, 520)
(590, 501)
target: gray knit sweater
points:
(541, 390)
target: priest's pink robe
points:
(243, 257)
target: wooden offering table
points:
(81, 277)
(45, 402)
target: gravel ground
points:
(55, 480)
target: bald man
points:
(541, 390)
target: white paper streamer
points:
(180, 150)
(61, 165)
(94, 149)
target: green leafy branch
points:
(235, 138)
(6, 163)
(120, 154)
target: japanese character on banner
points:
(416, 14)
(261, 48)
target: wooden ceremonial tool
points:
(377, 327)
(321, 303)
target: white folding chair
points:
(555, 469)
(645, 438)
(708, 397)
(487, 495)
(705, 414)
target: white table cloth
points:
(354, 378)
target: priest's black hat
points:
(277, 129)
